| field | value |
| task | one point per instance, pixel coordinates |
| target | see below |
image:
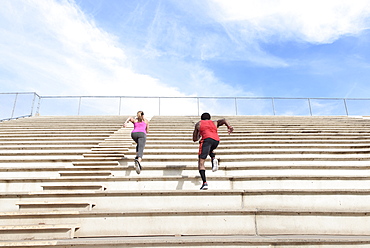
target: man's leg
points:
(201, 163)
(214, 161)
(204, 150)
(202, 169)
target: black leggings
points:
(206, 148)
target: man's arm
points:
(225, 122)
(196, 135)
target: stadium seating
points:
(69, 181)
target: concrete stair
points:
(38, 231)
(282, 182)
(54, 139)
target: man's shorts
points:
(206, 148)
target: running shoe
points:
(204, 186)
(214, 164)
(137, 166)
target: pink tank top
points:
(139, 127)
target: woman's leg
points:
(141, 145)
(140, 139)
(135, 138)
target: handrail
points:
(197, 104)
(15, 104)
(14, 118)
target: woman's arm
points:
(147, 125)
(128, 119)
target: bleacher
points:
(282, 182)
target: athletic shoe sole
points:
(137, 166)
(204, 187)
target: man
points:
(206, 129)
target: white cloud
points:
(249, 23)
(53, 48)
(56, 49)
(313, 21)
(203, 80)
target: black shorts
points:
(206, 148)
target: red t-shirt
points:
(208, 129)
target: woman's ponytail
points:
(140, 116)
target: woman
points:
(141, 128)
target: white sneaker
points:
(214, 164)
(137, 166)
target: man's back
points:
(208, 129)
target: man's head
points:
(205, 116)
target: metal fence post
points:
(198, 105)
(273, 106)
(236, 107)
(345, 106)
(33, 103)
(38, 106)
(119, 107)
(15, 103)
(79, 106)
(159, 106)
(309, 105)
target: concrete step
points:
(268, 141)
(270, 127)
(222, 145)
(103, 154)
(242, 151)
(112, 148)
(43, 153)
(96, 163)
(359, 168)
(51, 138)
(55, 159)
(128, 162)
(269, 136)
(223, 133)
(85, 174)
(74, 188)
(155, 169)
(50, 143)
(145, 200)
(261, 157)
(41, 159)
(24, 132)
(132, 181)
(208, 241)
(37, 231)
(43, 147)
(56, 135)
(213, 222)
(55, 205)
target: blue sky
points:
(264, 48)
